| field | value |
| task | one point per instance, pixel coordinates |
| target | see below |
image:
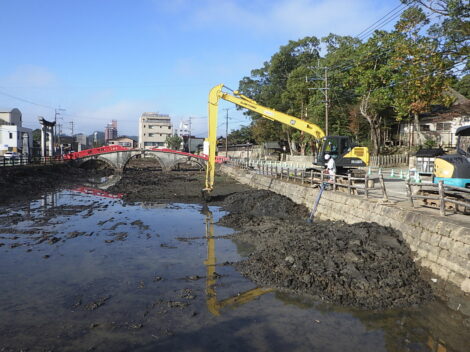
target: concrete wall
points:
(437, 243)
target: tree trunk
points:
(374, 121)
(419, 135)
(289, 142)
(303, 144)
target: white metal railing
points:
(346, 183)
(4, 162)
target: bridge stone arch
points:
(119, 159)
(199, 162)
(84, 161)
(145, 154)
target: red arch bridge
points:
(117, 157)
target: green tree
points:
(241, 136)
(341, 57)
(450, 27)
(174, 142)
(420, 70)
(370, 79)
(463, 86)
(267, 85)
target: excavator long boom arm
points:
(217, 93)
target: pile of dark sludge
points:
(363, 265)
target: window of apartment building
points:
(424, 128)
(443, 126)
(10, 135)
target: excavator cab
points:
(344, 151)
(454, 169)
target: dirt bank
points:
(364, 265)
(26, 182)
(143, 181)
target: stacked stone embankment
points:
(437, 243)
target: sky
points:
(114, 59)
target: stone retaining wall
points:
(438, 244)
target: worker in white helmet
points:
(330, 166)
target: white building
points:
(13, 136)
(154, 128)
(439, 127)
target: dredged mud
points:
(143, 181)
(364, 265)
(24, 182)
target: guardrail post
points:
(302, 176)
(410, 192)
(349, 183)
(311, 177)
(442, 203)
(366, 186)
(382, 185)
(288, 174)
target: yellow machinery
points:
(341, 148)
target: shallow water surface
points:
(85, 271)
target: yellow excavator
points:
(341, 148)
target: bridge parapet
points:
(117, 157)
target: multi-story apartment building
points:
(110, 132)
(13, 136)
(154, 128)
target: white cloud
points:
(30, 76)
(290, 18)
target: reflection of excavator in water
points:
(213, 304)
(346, 154)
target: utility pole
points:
(226, 131)
(71, 127)
(326, 100)
(189, 135)
(57, 136)
(324, 90)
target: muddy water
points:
(82, 270)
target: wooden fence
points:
(440, 195)
(346, 183)
(389, 160)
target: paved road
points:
(398, 196)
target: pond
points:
(82, 270)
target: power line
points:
(26, 100)
(383, 23)
(379, 20)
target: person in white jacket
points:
(330, 166)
